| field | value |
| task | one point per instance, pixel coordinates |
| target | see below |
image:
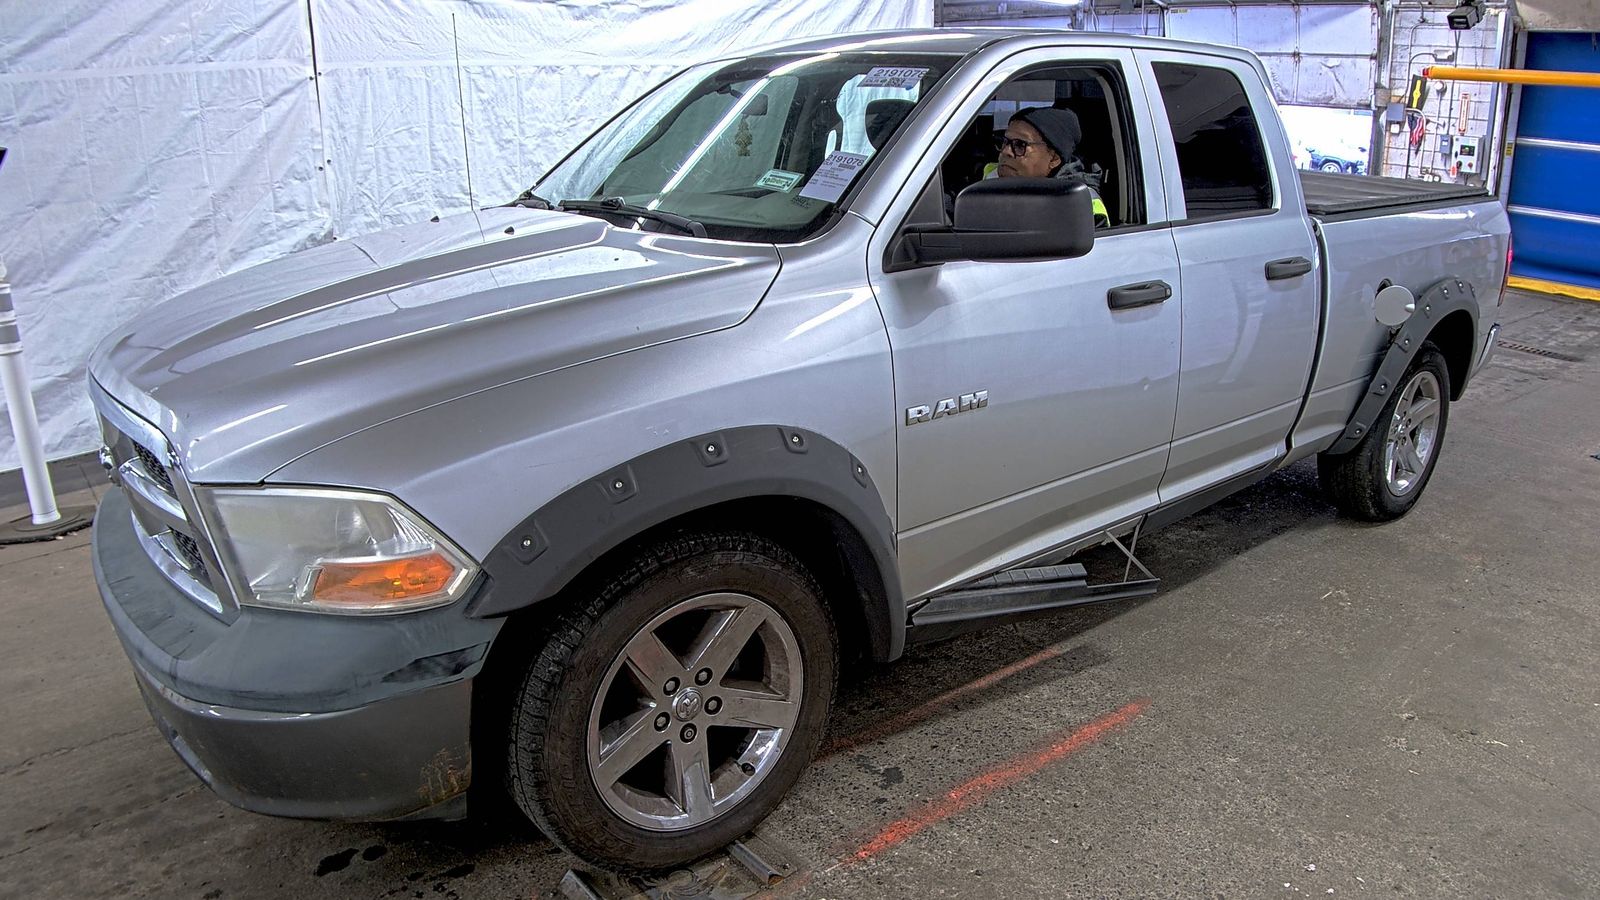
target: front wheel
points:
(1383, 476)
(670, 714)
(1331, 166)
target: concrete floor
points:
(1309, 706)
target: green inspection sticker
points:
(779, 179)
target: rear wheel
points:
(1331, 166)
(669, 715)
(1383, 476)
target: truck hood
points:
(253, 370)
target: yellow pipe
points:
(1513, 76)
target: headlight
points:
(332, 551)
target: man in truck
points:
(1041, 142)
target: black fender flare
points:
(1447, 295)
(551, 547)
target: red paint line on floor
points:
(980, 787)
(916, 715)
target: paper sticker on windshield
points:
(779, 179)
(833, 177)
(902, 77)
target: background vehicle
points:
(595, 492)
(1351, 160)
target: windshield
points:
(759, 149)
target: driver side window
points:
(1077, 113)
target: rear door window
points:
(1221, 158)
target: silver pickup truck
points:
(804, 355)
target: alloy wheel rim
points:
(1413, 433)
(695, 711)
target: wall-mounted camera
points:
(1468, 14)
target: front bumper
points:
(297, 714)
(402, 758)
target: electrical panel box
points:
(1465, 158)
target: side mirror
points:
(1009, 220)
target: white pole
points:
(24, 418)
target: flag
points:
(1419, 129)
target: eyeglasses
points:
(1017, 146)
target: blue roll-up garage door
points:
(1555, 182)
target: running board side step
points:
(1018, 593)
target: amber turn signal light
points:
(383, 580)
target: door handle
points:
(1293, 267)
(1145, 293)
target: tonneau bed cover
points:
(1349, 196)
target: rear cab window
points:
(1222, 160)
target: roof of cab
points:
(961, 41)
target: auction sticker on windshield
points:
(902, 77)
(779, 179)
(833, 177)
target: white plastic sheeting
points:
(157, 146)
(1316, 55)
(537, 77)
(152, 147)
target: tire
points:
(1331, 166)
(1379, 480)
(585, 692)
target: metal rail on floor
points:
(743, 869)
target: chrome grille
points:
(153, 466)
(163, 505)
(193, 561)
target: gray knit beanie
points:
(1059, 128)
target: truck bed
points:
(1391, 232)
(1330, 194)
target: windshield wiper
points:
(615, 206)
